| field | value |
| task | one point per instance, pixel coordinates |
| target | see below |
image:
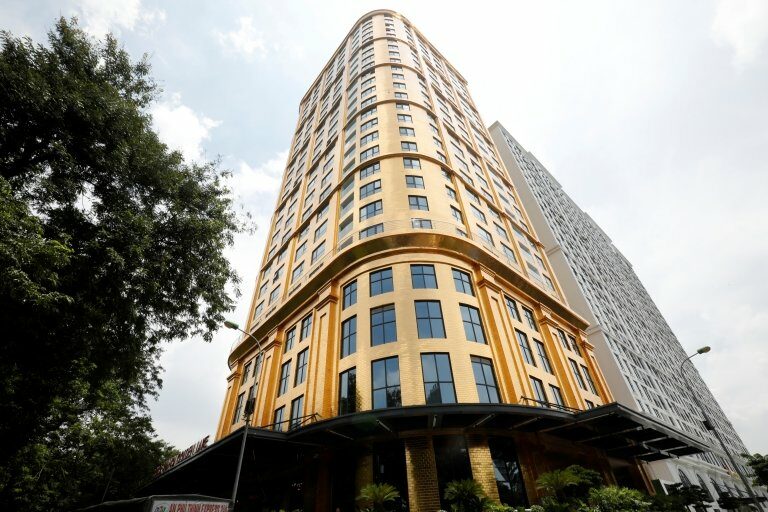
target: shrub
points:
(466, 496)
(618, 499)
(378, 497)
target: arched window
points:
(683, 478)
(717, 487)
(704, 486)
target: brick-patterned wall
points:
(482, 465)
(423, 492)
(364, 472)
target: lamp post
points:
(248, 410)
(711, 427)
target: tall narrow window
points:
(487, 390)
(575, 345)
(539, 393)
(563, 341)
(349, 336)
(577, 374)
(306, 327)
(423, 276)
(463, 282)
(525, 347)
(588, 376)
(348, 391)
(386, 383)
(301, 367)
(350, 294)
(429, 319)
(381, 281)
(277, 424)
(297, 411)
(383, 325)
(238, 408)
(557, 396)
(512, 308)
(473, 327)
(530, 319)
(438, 379)
(285, 373)
(290, 338)
(542, 351)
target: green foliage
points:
(110, 245)
(728, 502)
(618, 499)
(587, 479)
(554, 483)
(679, 497)
(759, 465)
(378, 497)
(466, 496)
(537, 508)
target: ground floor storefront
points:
(321, 466)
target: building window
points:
(525, 347)
(348, 391)
(369, 170)
(563, 340)
(306, 327)
(463, 282)
(423, 276)
(575, 345)
(371, 210)
(277, 424)
(290, 338)
(411, 163)
(421, 224)
(473, 327)
(285, 373)
(407, 132)
(487, 390)
(301, 367)
(297, 411)
(371, 231)
(557, 395)
(512, 308)
(418, 203)
(369, 153)
(383, 325)
(318, 252)
(349, 336)
(484, 235)
(590, 405)
(577, 374)
(541, 349)
(530, 319)
(538, 392)
(238, 408)
(350, 294)
(381, 281)
(369, 189)
(429, 319)
(438, 379)
(456, 213)
(386, 383)
(588, 377)
(404, 118)
(320, 232)
(408, 146)
(414, 181)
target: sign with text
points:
(188, 505)
(189, 452)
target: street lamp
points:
(248, 410)
(711, 427)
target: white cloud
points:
(742, 25)
(264, 178)
(245, 40)
(102, 16)
(182, 128)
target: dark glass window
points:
(423, 276)
(349, 336)
(238, 408)
(557, 396)
(575, 345)
(371, 210)
(350, 294)
(297, 411)
(530, 319)
(278, 420)
(348, 391)
(418, 203)
(381, 281)
(386, 383)
(463, 282)
(473, 327)
(290, 338)
(370, 188)
(543, 356)
(485, 380)
(306, 327)
(538, 391)
(429, 319)
(372, 230)
(512, 308)
(301, 367)
(563, 340)
(577, 374)
(590, 405)
(588, 377)
(285, 373)
(438, 379)
(509, 478)
(383, 325)
(525, 347)
(411, 163)
(414, 181)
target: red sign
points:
(189, 452)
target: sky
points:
(651, 114)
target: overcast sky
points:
(653, 115)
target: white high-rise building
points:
(636, 349)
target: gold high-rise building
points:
(406, 324)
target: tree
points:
(680, 496)
(587, 479)
(618, 499)
(378, 497)
(759, 465)
(554, 483)
(728, 502)
(465, 496)
(110, 246)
